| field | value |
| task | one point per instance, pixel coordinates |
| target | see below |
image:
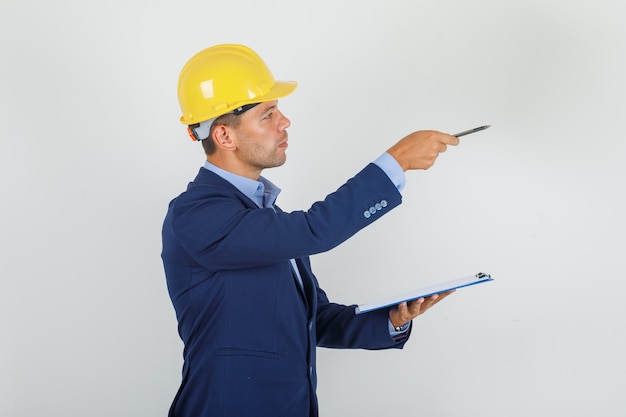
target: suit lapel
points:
(306, 290)
(206, 177)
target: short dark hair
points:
(228, 119)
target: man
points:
(250, 310)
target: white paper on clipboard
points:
(478, 278)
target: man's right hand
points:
(420, 149)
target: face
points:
(261, 138)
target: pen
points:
(467, 132)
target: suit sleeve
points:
(220, 232)
(339, 327)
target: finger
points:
(403, 308)
(431, 301)
(443, 295)
(449, 139)
(416, 307)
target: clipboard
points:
(454, 284)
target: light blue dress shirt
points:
(264, 194)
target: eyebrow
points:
(270, 108)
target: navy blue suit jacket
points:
(249, 329)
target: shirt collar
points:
(262, 192)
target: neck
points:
(234, 166)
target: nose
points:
(284, 123)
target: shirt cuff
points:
(392, 168)
(392, 330)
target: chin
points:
(280, 162)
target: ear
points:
(223, 137)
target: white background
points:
(91, 152)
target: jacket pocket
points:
(246, 352)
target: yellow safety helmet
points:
(222, 78)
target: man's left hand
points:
(405, 312)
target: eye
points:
(269, 115)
